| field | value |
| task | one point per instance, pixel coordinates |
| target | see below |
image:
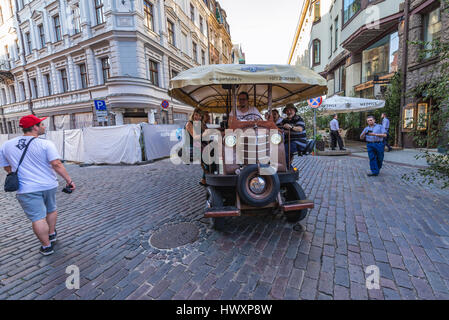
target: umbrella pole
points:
(270, 97)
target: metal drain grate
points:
(174, 235)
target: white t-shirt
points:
(253, 110)
(35, 172)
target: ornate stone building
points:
(59, 56)
(220, 45)
(424, 21)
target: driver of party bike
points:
(244, 111)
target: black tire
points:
(295, 192)
(216, 200)
(252, 199)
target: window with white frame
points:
(148, 14)
(16, 42)
(12, 91)
(33, 83)
(57, 26)
(41, 32)
(202, 24)
(153, 72)
(316, 52)
(184, 42)
(432, 30)
(99, 14)
(83, 75)
(171, 32)
(192, 12)
(22, 94)
(350, 8)
(64, 80)
(105, 67)
(195, 51)
(27, 43)
(76, 19)
(47, 79)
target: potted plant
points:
(319, 142)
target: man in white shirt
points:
(335, 134)
(37, 178)
(244, 111)
(386, 125)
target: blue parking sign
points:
(100, 105)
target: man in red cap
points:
(37, 178)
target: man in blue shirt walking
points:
(386, 125)
(374, 134)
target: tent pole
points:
(270, 97)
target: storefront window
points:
(351, 7)
(432, 29)
(381, 58)
(409, 117)
(422, 116)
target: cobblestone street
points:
(104, 228)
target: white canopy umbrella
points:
(338, 104)
(208, 87)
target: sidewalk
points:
(404, 156)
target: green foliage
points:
(437, 88)
(393, 104)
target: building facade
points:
(352, 43)
(220, 45)
(237, 55)
(59, 56)
(424, 21)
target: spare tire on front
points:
(257, 190)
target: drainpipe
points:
(404, 72)
(22, 44)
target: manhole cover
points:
(174, 235)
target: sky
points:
(264, 28)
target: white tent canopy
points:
(338, 104)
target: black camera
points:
(67, 189)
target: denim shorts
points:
(38, 204)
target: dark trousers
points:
(386, 139)
(335, 136)
(376, 156)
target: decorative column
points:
(40, 87)
(151, 116)
(91, 67)
(71, 74)
(85, 18)
(162, 23)
(118, 117)
(54, 78)
(114, 58)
